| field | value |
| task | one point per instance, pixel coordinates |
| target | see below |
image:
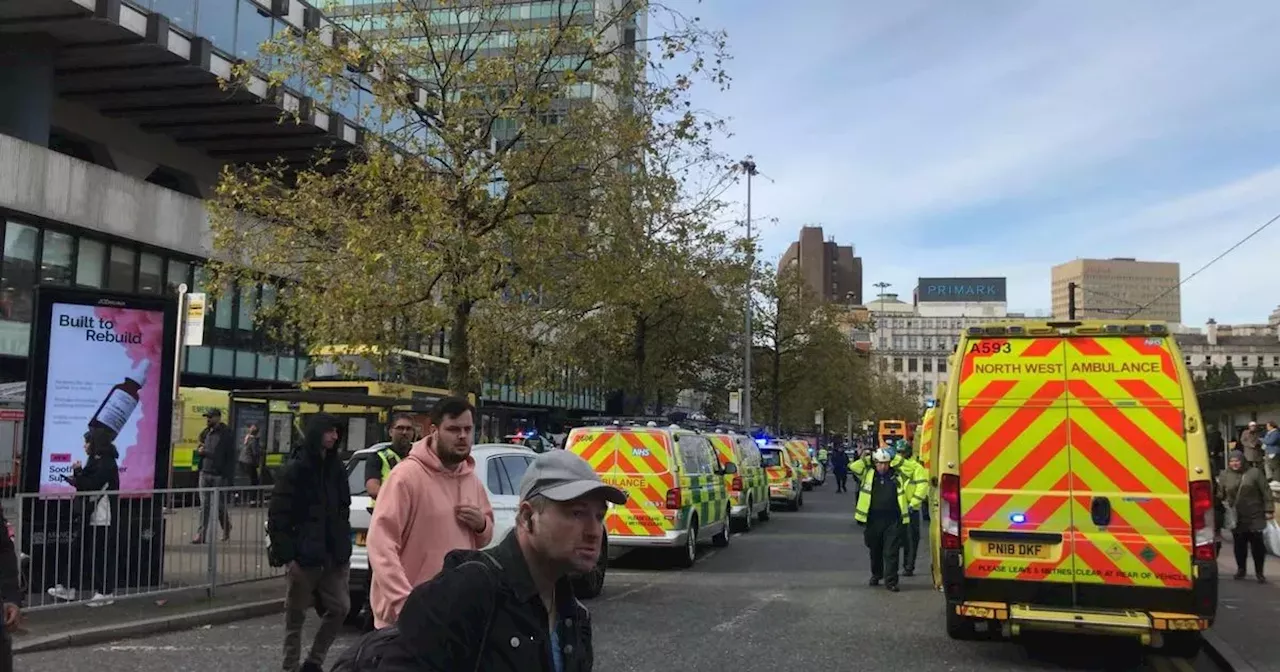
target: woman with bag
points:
(1249, 505)
(93, 553)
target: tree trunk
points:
(639, 355)
(460, 349)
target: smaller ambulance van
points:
(748, 488)
(1074, 489)
(784, 475)
(676, 494)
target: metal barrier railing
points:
(76, 548)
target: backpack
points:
(367, 653)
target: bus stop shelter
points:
(282, 413)
(1229, 410)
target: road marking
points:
(628, 593)
(750, 610)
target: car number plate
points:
(1016, 550)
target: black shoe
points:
(1239, 575)
(893, 587)
(909, 572)
(875, 581)
(310, 667)
(1261, 578)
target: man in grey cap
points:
(513, 608)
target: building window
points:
(1244, 360)
(18, 280)
(897, 342)
(91, 263)
(57, 258)
(179, 273)
(926, 365)
(1275, 361)
(121, 270)
(942, 366)
(912, 365)
(926, 342)
(150, 274)
(913, 342)
(884, 342)
(897, 364)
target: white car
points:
(499, 466)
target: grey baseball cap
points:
(562, 476)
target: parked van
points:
(1074, 485)
(786, 481)
(748, 488)
(676, 494)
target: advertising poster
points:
(104, 370)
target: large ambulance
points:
(1074, 489)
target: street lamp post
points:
(749, 167)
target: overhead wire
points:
(1211, 262)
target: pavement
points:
(790, 594)
(1248, 616)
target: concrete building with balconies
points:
(114, 125)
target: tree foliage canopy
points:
(481, 208)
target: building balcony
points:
(161, 64)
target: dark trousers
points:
(93, 559)
(326, 588)
(910, 541)
(842, 480)
(251, 470)
(1242, 543)
(883, 535)
(6, 650)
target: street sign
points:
(195, 318)
(735, 402)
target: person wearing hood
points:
(1243, 488)
(430, 504)
(93, 554)
(310, 529)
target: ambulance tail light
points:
(1202, 521)
(949, 503)
(736, 484)
(673, 498)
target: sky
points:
(1001, 137)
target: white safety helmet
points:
(882, 455)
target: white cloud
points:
(1002, 138)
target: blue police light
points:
(1018, 518)
(762, 442)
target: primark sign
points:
(961, 290)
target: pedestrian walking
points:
(93, 553)
(1271, 450)
(1251, 444)
(1245, 493)
(10, 594)
(883, 504)
(514, 608)
(916, 476)
(251, 456)
(310, 529)
(216, 450)
(432, 504)
(377, 470)
(840, 467)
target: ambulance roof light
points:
(1135, 329)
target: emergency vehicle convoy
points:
(1072, 485)
(686, 488)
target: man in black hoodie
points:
(10, 593)
(310, 529)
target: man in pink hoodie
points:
(432, 503)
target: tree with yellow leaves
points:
(470, 208)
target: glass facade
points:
(234, 345)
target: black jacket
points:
(223, 460)
(309, 516)
(99, 472)
(10, 581)
(443, 621)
